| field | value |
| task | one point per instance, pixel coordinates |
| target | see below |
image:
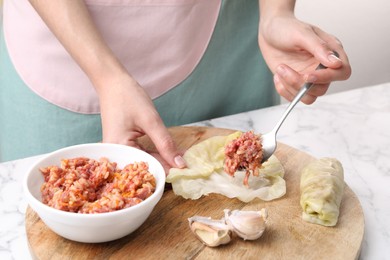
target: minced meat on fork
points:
(245, 152)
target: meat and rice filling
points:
(244, 152)
(85, 185)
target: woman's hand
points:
(127, 111)
(293, 49)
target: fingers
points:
(323, 46)
(164, 163)
(288, 82)
(128, 113)
(165, 145)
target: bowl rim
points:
(157, 194)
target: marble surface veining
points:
(352, 126)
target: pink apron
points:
(160, 42)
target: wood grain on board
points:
(166, 233)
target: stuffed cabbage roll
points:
(322, 188)
(205, 174)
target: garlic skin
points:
(249, 225)
(211, 232)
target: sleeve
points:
(322, 189)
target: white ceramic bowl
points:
(100, 227)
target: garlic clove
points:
(249, 225)
(211, 232)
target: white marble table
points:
(352, 126)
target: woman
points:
(114, 70)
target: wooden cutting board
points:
(166, 234)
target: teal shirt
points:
(231, 77)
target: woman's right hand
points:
(127, 111)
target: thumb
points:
(166, 146)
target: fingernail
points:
(333, 58)
(179, 161)
(310, 78)
(281, 71)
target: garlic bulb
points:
(248, 225)
(211, 232)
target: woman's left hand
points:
(293, 49)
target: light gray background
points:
(364, 29)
